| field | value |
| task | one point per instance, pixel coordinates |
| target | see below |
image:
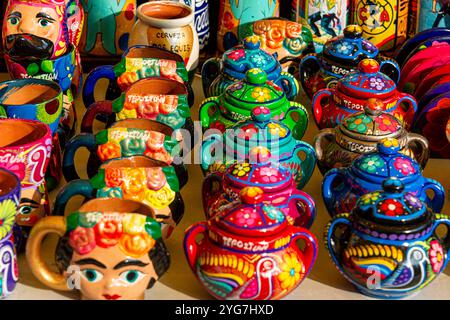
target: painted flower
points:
(277, 130)
(134, 181)
(344, 48)
(436, 254)
(218, 125)
(109, 150)
(159, 199)
(155, 140)
(376, 83)
(261, 94)
(235, 86)
(269, 175)
(391, 207)
(371, 163)
(126, 79)
(292, 271)
(273, 213)
(275, 36)
(386, 123)
(412, 201)
(246, 217)
(237, 54)
(370, 198)
(241, 169)
(156, 179)
(294, 45)
(258, 59)
(358, 123)
(17, 168)
(110, 193)
(169, 103)
(293, 30)
(390, 143)
(134, 223)
(8, 211)
(82, 240)
(400, 117)
(259, 154)
(404, 166)
(126, 114)
(132, 146)
(108, 231)
(253, 39)
(136, 245)
(250, 195)
(113, 177)
(247, 131)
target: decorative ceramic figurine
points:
(384, 22)
(201, 22)
(110, 249)
(342, 187)
(25, 150)
(218, 74)
(9, 202)
(239, 99)
(124, 138)
(137, 62)
(249, 252)
(339, 57)
(359, 134)
(331, 106)
(256, 136)
(236, 18)
(168, 25)
(275, 182)
(390, 247)
(139, 178)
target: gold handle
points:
(40, 269)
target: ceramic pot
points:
(240, 98)
(218, 74)
(256, 138)
(384, 22)
(394, 234)
(137, 62)
(255, 249)
(25, 150)
(9, 203)
(236, 18)
(168, 25)
(138, 178)
(359, 134)
(124, 138)
(331, 106)
(342, 187)
(341, 56)
(110, 232)
(219, 191)
(201, 20)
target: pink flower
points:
(246, 217)
(269, 175)
(17, 168)
(436, 256)
(404, 166)
(82, 240)
(237, 54)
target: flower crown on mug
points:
(135, 234)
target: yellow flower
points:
(389, 142)
(159, 199)
(126, 114)
(241, 169)
(261, 94)
(292, 271)
(255, 70)
(276, 129)
(370, 197)
(254, 39)
(8, 212)
(400, 117)
(134, 223)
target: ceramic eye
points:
(44, 22)
(131, 276)
(13, 21)
(25, 209)
(92, 275)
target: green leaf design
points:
(172, 178)
(183, 106)
(3, 113)
(32, 69)
(47, 66)
(119, 68)
(153, 228)
(72, 221)
(101, 137)
(117, 105)
(98, 181)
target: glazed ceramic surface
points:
(218, 74)
(331, 106)
(260, 137)
(432, 93)
(390, 248)
(240, 98)
(115, 245)
(339, 57)
(249, 252)
(430, 79)
(342, 187)
(201, 20)
(359, 134)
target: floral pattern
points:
(436, 254)
(8, 210)
(247, 131)
(292, 271)
(276, 129)
(358, 123)
(386, 123)
(344, 48)
(246, 217)
(372, 163)
(404, 166)
(273, 213)
(261, 94)
(377, 83)
(241, 169)
(412, 201)
(237, 54)
(270, 175)
(391, 207)
(370, 198)
(258, 59)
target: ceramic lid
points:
(390, 212)
(349, 48)
(238, 60)
(367, 81)
(385, 163)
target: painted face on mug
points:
(31, 208)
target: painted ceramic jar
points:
(240, 98)
(124, 138)
(261, 137)
(340, 56)
(391, 247)
(138, 62)
(218, 74)
(274, 182)
(168, 25)
(237, 17)
(110, 249)
(249, 252)
(201, 20)
(139, 178)
(359, 134)
(331, 106)
(343, 186)
(9, 203)
(384, 22)
(25, 151)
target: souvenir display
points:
(342, 187)
(238, 100)
(393, 232)
(236, 19)
(339, 57)
(201, 20)
(115, 244)
(249, 251)
(260, 137)
(331, 106)
(219, 73)
(168, 25)
(359, 134)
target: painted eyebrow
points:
(86, 261)
(26, 200)
(16, 14)
(127, 263)
(45, 16)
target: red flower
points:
(82, 240)
(218, 125)
(108, 232)
(113, 177)
(391, 207)
(247, 132)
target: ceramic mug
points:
(109, 249)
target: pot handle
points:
(210, 71)
(319, 138)
(86, 140)
(414, 139)
(390, 68)
(309, 65)
(102, 72)
(205, 118)
(306, 219)
(289, 84)
(331, 241)
(311, 247)
(308, 164)
(317, 105)
(38, 266)
(190, 243)
(206, 149)
(443, 219)
(298, 128)
(411, 108)
(104, 108)
(73, 188)
(437, 203)
(327, 192)
(208, 194)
